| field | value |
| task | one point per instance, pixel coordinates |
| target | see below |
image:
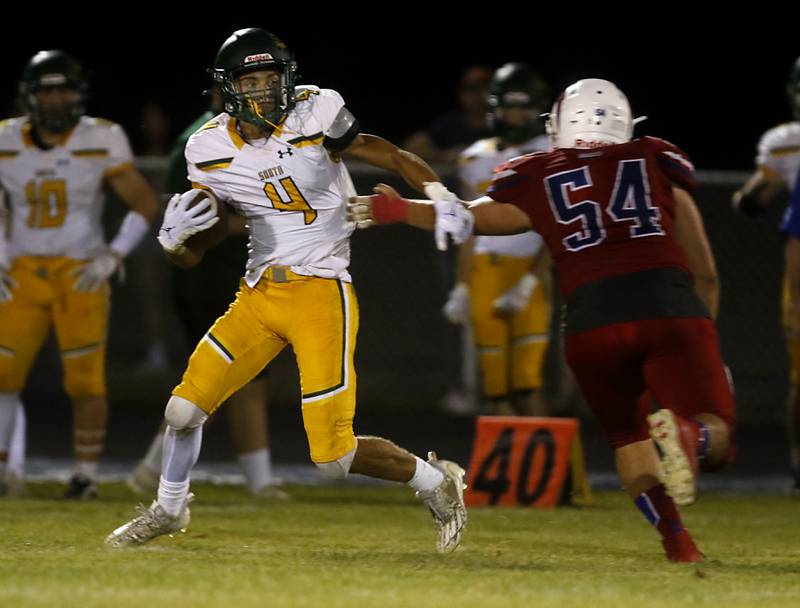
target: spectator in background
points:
(447, 136)
(155, 130)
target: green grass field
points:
(374, 546)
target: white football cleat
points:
(679, 469)
(446, 504)
(152, 523)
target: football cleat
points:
(150, 524)
(446, 504)
(678, 456)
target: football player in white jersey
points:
(274, 155)
(54, 262)
(778, 174)
(503, 281)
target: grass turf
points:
(346, 546)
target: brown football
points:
(216, 234)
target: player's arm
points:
(691, 236)
(442, 212)
(131, 186)
(379, 152)
(764, 186)
(135, 192)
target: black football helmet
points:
(249, 50)
(53, 69)
(517, 85)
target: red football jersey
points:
(602, 212)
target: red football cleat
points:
(680, 548)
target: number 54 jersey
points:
(603, 212)
(289, 187)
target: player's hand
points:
(359, 211)
(456, 309)
(6, 285)
(452, 217)
(516, 298)
(92, 276)
(181, 222)
(386, 206)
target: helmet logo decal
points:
(52, 80)
(258, 57)
(517, 97)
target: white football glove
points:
(92, 275)
(452, 218)
(359, 211)
(456, 309)
(6, 285)
(180, 222)
(516, 298)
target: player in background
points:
(639, 284)
(778, 175)
(502, 292)
(55, 163)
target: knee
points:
(181, 414)
(339, 468)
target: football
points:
(216, 234)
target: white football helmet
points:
(590, 113)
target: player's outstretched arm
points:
(442, 212)
(690, 234)
(379, 152)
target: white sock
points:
(426, 477)
(257, 468)
(87, 468)
(172, 495)
(152, 459)
(16, 453)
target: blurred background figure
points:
(449, 134)
(55, 264)
(775, 178)
(503, 289)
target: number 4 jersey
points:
(603, 212)
(56, 195)
(289, 186)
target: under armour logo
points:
(167, 229)
(287, 151)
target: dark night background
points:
(712, 87)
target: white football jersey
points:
(290, 189)
(779, 149)
(56, 195)
(476, 168)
